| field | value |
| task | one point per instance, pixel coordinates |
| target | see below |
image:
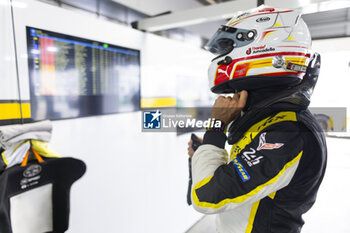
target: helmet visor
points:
(227, 38)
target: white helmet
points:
(260, 48)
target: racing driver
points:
(277, 160)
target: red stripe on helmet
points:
(265, 33)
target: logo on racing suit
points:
(267, 146)
(152, 119)
(241, 170)
(250, 158)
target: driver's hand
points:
(190, 150)
(227, 108)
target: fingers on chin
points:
(244, 94)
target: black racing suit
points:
(270, 177)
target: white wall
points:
(135, 182)
(332, 89)
(8, 86)
(333, 85)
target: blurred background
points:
(91, 66)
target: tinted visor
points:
(227, 38)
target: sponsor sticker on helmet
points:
(249, 51)
(223, 73)
(259, 49)
(263, 19)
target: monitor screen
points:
(75, 77)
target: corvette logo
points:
(251, 157)
(267, 146)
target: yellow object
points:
(272, 195)
(331, 126)
(252, 217)
(4, 159)
(13, 111)
(297, 60)
(158, 102)
(277, 24)
(268, 34)
(43, 149)
(290, 38)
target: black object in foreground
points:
(45, 187)
(195, 144)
